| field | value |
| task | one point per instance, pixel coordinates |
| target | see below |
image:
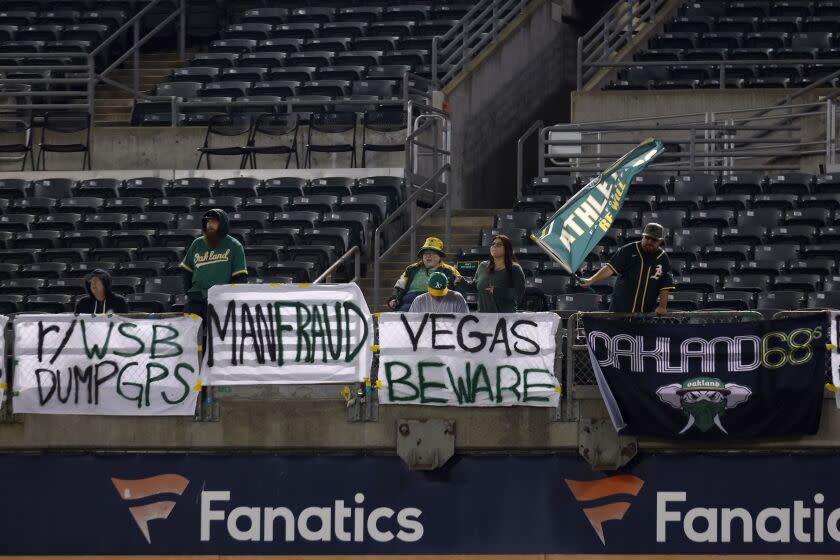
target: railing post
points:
(464, 45)
(136, 60)
(495, 18)
(435, 83)
(629, 5)
(182, 31)
(377, 272)
(91, 89)
(580, 64)
(691, 148)
(722, 75)
(569, 389)
(829, 132)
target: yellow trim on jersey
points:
(639, 282)
(245, 271)
(644, 293)
(613, 268)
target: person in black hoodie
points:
(100, 299)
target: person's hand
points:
(585, 282)
(489, 290)
(392, 303)
(458, 279)
(661, 310)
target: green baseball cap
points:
(654, 231)
(438, 284)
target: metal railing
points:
(766, 138)
(479, 27)
(613, 32)
(85, 73)
(434, 189)
(355, 253)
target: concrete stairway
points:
(466, 229)
(113, 105)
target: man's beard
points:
(648, 249)
(212, 238)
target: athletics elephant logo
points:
(704, 400)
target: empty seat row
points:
(692, 185)
(363, 14)
(796, 8)
(375, 206)
(283, 88)
(197, 187)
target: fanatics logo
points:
(138, 489)
(591, 490)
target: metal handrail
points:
(377, 271)
(128, 24)
(717, 148)
(612, 32)
(354, 251)
(464, 40)
(377, 234)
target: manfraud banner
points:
(260, 334)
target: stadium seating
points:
(720, 31)
(751, 249)
(342, 53)
(292, 229)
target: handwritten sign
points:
(287, 334)
(468, 360)
(68, 364)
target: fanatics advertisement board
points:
(173, 505)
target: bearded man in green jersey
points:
(212, 259)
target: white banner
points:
(260, 334)
(489, 359)
(835, 354)
(4, 374)
(70, 364)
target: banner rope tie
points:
(374, 348)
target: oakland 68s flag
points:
(713, 381)
(834, 322)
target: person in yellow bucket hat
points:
(415, 280)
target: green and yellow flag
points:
(574, 230)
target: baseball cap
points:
(438, 284)
(654, 231)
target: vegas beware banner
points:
(710, 382)
(489, 359)
(260, 334)
(71, 364)
(576, 228)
